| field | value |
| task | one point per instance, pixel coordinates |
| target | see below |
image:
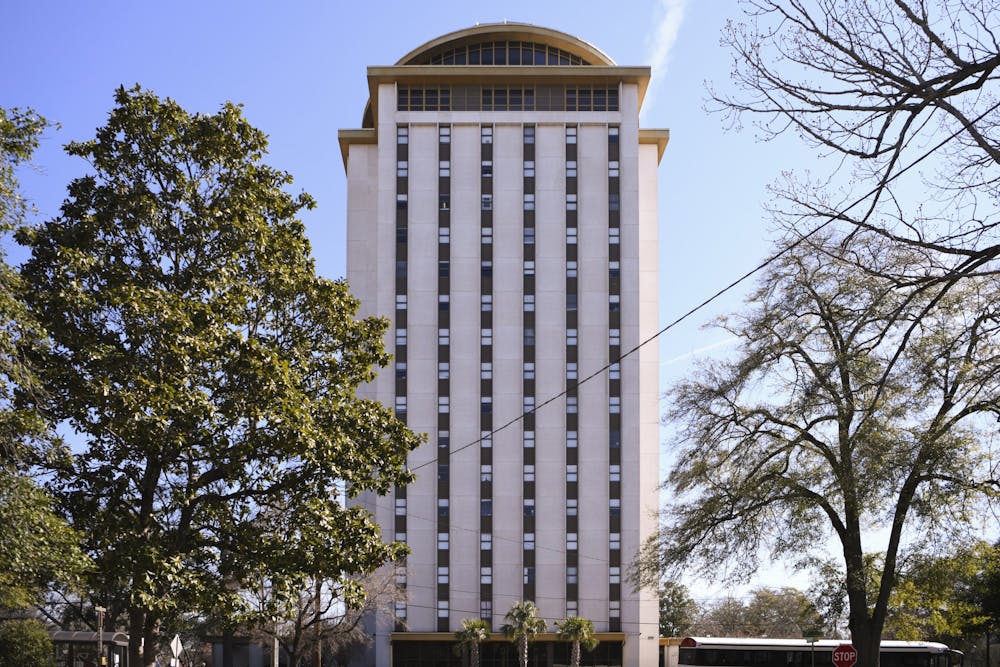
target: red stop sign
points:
(845, 655)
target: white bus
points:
(747, 652)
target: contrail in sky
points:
(669, 16)
(701, 350)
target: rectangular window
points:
(486, 473)
(528, 370)
(442, 609)
(529, 473)
(529, 303)
(402, 168)
(615, 473)
(615, 541)
(571, 134)
(529, 168)
(443, 439)
(444, 235)
(442, 540)
(399, 607)
(486, 337)
(401, 575)
(571, 370)
(529, 201)
(529, 134)
(615, 370)
(487, 168)
(614, 235)
(486, 575)
(400, 537)
(571, 541)
(443, 507)
(615, 336)
(486, 610)
(529, 335)
(442, 472)
(401, 201)
(614, 574)
(529, 236)
(613, 169)
(571, 473)
(402, 135)
(486, 370)
(486, 405)
(443, 404)
(443, 367)
(571, 439)
(614, 609)
(444, 268)
(570, 168)
(571, 506)
(529, 267)
(529, 439)
(444, 168)
(615, 405)
(529, 576)
(486, 134)
(571, 235)
(443, 337)
(442, 575)
(529, 541)
(529, 507)
(571, 336)
(486, 507)
(486, 235)
(444, 134)
(571, 608)
(401, 404)
(400, 302)
(570, 267)
(487, 202)
(400, 370)
(486, 541)
(615, 507)
(571, 405)
(529, 403)
(486, 439)
(400, 506)
(614, 202)
(486, 303)
(444, 202)
(571, 202)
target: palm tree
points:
(522, 625)
(580, 631)
(474, 631)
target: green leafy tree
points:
(521, 626)
(678, 610)
(853, 408)
(472, 633)
(36, 546)
(209, 373)
(580, 633)
(25, 643)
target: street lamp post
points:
(812, 648)
(101, 661)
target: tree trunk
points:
(575, 655)
(522, 650)
(135, 624)
(474, 654)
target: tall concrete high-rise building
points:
(502, 211)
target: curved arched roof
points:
(489, 33)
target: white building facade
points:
(502, 211)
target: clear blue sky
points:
(299, 70)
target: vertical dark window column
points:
(614, 383)
(486, 375)
(572, 360)
(528, 370)
(400, 356)
(444, 383)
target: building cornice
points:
(659, 137)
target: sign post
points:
(175, 648)
(845, 655)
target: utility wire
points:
(767, 262)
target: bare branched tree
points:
(852, 409)
(881, 84)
